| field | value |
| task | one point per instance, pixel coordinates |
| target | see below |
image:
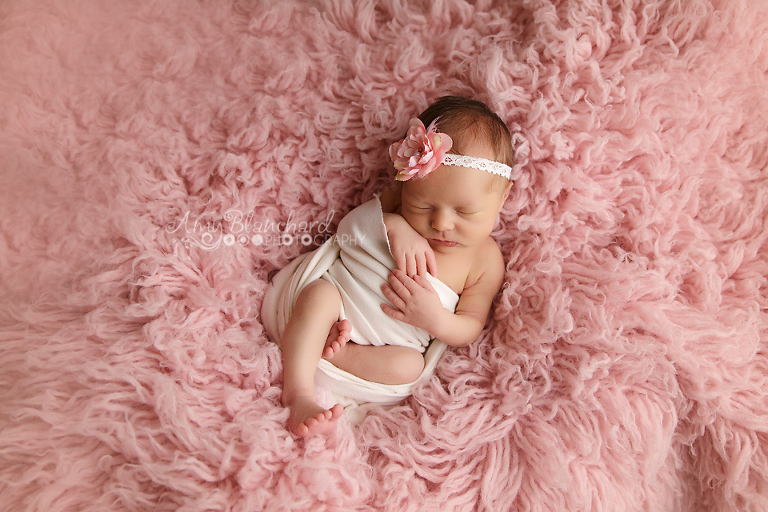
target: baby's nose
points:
(442, 221)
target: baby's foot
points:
(337, 338)
(307, 418)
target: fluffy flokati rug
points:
(158, 159)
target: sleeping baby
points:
(369, 317)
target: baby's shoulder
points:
(488, 263)
(490, 252)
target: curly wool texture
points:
(624, 366)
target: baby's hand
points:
(416, 301)
(411, 251)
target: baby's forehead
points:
(452, 184)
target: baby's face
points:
(453, 207)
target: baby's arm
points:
(411, 251)
(465, 325)
(417, 303)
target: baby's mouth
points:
(446, 243)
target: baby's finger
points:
(396, 279)
(411, 265)
(387, 291)
(404, 285)
(431, 262)
(392, 296)
(423, 282)
(394, 313)
(401, 261)
(421, 265)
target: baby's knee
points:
(319, 290)
(409, 364)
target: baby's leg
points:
(388, 364)
(302, 344)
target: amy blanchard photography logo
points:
(244, 229)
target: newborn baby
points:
(430, 265)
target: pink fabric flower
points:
(420, 152)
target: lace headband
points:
(482, 164)
(422, 150)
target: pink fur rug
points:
(158, 159)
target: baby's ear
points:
(505, 195)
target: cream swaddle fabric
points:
(357, 261)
